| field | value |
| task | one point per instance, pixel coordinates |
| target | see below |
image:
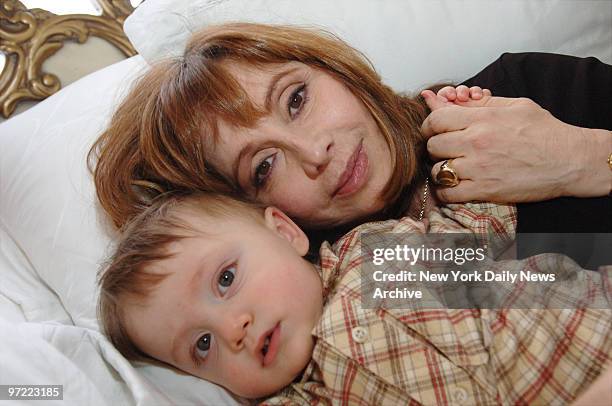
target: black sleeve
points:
(577, 91)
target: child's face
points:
(237, 307)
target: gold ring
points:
(447, 175)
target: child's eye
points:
(263, 171)
(296, 101)
(203, 345)
(226, 278)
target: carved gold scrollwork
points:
(29, 37)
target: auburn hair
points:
(154, 142)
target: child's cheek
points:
(240, 381)
(233, 374)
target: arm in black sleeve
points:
(577, 91)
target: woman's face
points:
(318, 155)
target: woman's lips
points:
(354, 176)
(273, 346)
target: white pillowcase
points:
(412, 43)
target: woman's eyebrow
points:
(274, 83)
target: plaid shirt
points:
(387, 356)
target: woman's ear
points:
(281, 224)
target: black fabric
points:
(577, 91)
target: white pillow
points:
(92, 370)
(47, 200)
(53, 238)
(411, 43)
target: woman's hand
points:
(512, 150)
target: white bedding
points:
(52, 242)
(53, 239)
(40, 345)
(91, 370)
(412, 43)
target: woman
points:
(285, 116)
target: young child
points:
(219, 289)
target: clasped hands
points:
(512, 150)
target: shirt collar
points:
(328, 269)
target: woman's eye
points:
(296, 101)
(203, 345)
(263, 170)
(226, 278)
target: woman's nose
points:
(315, 154)
(235, 331)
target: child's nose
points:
(237, 330)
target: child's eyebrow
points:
(196, 278)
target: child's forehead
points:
(215, 218)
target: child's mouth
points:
(264, 350)
(269, 344)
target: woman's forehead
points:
(258, 83)
(258, 80)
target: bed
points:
(54, 238)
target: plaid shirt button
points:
(460, 395)
(360, 334)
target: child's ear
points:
(280, 223)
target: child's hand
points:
(451, 96)
(463, 93)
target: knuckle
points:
(443, 194)
(434, 171)
(482, 166)
(431, 145)
(529, 107)
(433, 120)
(481, 116)
(480, 141)
(526, 101)
(490, 115)
(446, 91)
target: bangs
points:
(205, 92)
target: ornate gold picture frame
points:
(30, 36)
